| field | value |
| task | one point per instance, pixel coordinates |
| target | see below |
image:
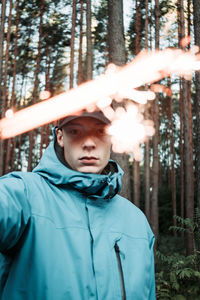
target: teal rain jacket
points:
(66, 235)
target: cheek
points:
(107, 149)
(70, 151)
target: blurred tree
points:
(80, 58)
(196, 10)
(71, 83)
(36, 83)
(13, 94)
(3, 16)
(117, 55)
(136, 164)
(188, 141)
(146, 116)
(2, 102)
(89, 64)
(172, 157)
(155, 166)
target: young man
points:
(65, 233)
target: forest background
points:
(56, 45)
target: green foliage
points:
(177, 275)
(189, 226)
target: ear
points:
(59, 136)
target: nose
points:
(89, 143)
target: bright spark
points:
(128, 130)
(44, 95)
(9, 113)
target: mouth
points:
(88, 160)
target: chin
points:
(90, 169)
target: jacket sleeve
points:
(152, 294)
(14, 211)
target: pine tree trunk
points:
(188, 142)
(172, 160)
(136, 176)
(12, 158)
(147, 147)
(182, 196)
(155, 166)
(71, 77)
(89, 43)
(36, 85)
(136, 164)
(3, 10)
(189, 176)
(4, 96)
(147, 180)
(3, 16)
(116, 41)
(19, 164)
(146, 23)
(13, 96)
(196, 9)
(138, 27)
(117, 55)
(80, 60)
(47, 88)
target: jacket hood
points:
(93, 185)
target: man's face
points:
(86, 144)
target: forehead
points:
(85, 121)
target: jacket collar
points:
(93, 185)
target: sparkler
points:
(117, 83)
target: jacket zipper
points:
(120, 272)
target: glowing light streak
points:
(45, 95)
(9, 113)
(117, 82)
(159, 88)
(185, 41)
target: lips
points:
(88, 160)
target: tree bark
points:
(189, 176)
(172, 160)
(116, 41)
(147, 147)
(117, 55)
(4, 96)
(188, 141)
(80, 60)
(3, 16)
(136, 176)
(2, 104)
(136, 164)
(71, 77)
(47, 88)
(146, 23)
(182, 195)
(137, 27)
(155, 166)
(36, 85)
(13, 95)
(196, 9)
(89, 43)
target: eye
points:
(74, 132)
(101, 131)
